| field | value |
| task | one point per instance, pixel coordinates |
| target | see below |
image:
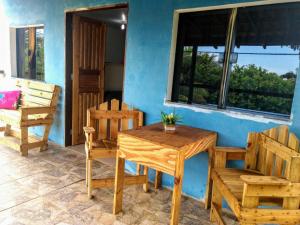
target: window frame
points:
(14, 49)
(228, 50)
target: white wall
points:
(114, 58)
(4, 43)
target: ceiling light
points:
(123, 17)
(123, 27)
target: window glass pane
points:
(30, 52)
(22, 52)
(199, 56)
(266, 58)
(208, 73)
(40, 54)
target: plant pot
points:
(170, 128)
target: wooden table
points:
(165, 152)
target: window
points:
(30, 52)
(242, 58)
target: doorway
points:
(95, 57)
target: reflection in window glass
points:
(40, 54)
(208, 73)
(30, 52)
(199, 56)
(264, 75)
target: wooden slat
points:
(114, 122)
(274, 216)
(37, 93)
(37, 85)
(293, 142)
(103, 123)
(37, 100)
(107, 114)
(283, 135)
(110, 182)
(124, 122)
(267, 180)
(252, 151)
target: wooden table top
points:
(183, 136)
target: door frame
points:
(69, 61)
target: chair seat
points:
(231, 178)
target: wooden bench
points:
(267, 190)
(37, 108)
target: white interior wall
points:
(114, 58)
(5, 64)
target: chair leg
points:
(138, 169)
(146, 185)
(24, 141)
(158, 177)
(7, 130)
(45, 138)
(89, 177)
(216, 203)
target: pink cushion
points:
(9, 99)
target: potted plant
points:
(169, 121)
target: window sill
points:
(235, 113)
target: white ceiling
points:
(109, 16)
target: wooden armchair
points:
(270, 178)
(101, 133)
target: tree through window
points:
(30, 52)
(244, 58)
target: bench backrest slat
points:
(37, 93)
(111, 118)
(272, 152)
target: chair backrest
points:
(274, 152)
(108, 119)
(37, 93)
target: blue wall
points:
(146, 75)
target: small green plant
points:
(170, 119)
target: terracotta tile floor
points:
(49, 188)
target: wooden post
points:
(217, 203)
(178, 179)
(7, 130)
(211, 159)
(45, 138)
(119, 183)
(158, 177)
(146, 185)
(89, 175)
(24, 141)
(86, 171)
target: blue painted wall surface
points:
(146, 74)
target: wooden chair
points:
(267, 190)
(38, 107)
(103, 125)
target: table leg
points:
(176, 198)
(158, 177)
(119, 184)
(211, 159)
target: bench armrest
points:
(264, 180)
(28, 110)
(268, 187)
(89, 130)
(222, 154)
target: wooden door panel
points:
(88, 71)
